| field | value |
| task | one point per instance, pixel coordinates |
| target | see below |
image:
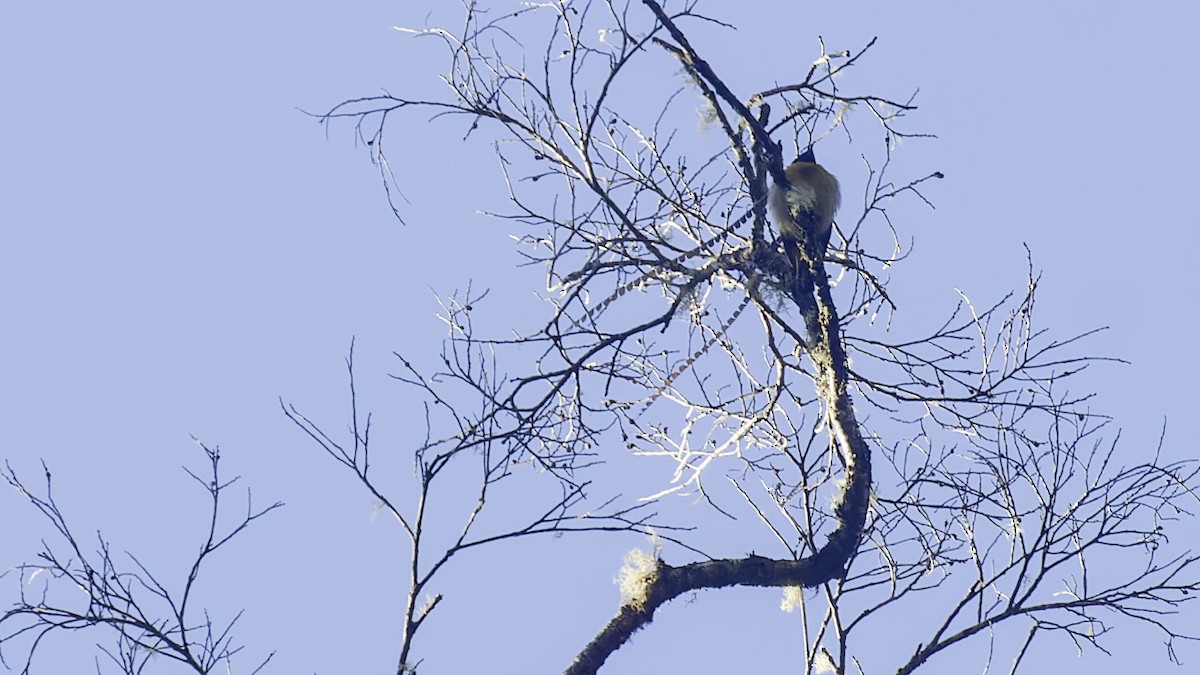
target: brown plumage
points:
(804, 209)
(803, 212)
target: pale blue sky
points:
(180, 246)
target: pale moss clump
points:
(823, 663)
(638, 572)
(793, 598)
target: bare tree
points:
(954, 469)
(678, 332)
(143, 613)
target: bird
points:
(802, 210)
(804, 207)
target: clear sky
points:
(180, 246)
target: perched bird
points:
(803, 208)
(803, 211)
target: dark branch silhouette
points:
(145, 614)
